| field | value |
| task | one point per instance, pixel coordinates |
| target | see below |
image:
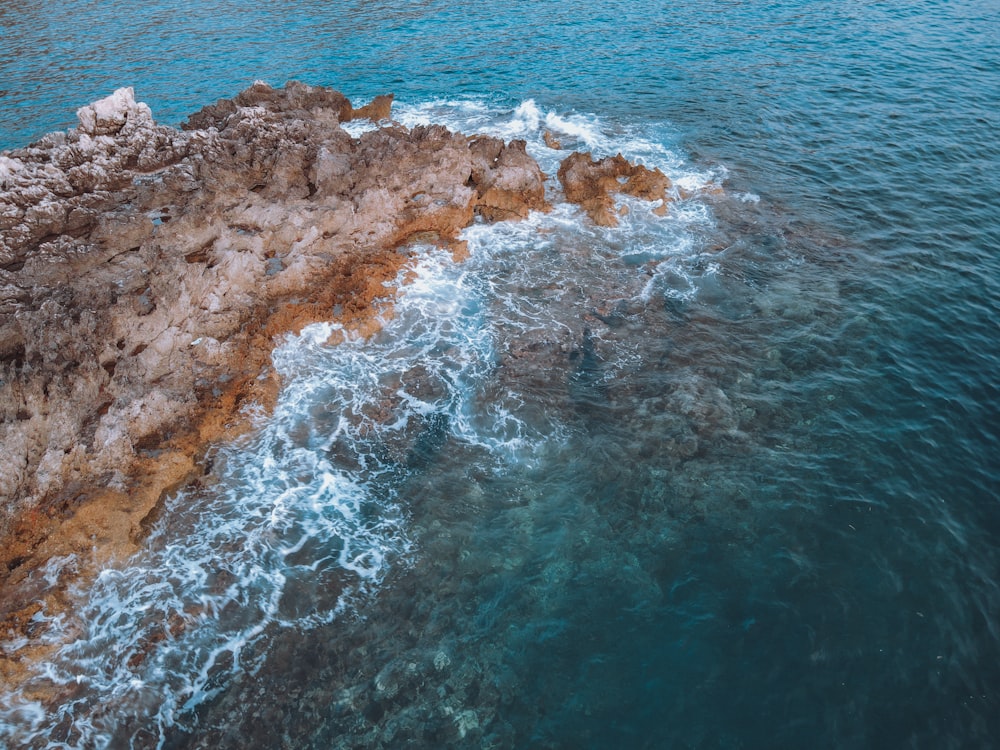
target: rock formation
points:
(592, 184)
(144, 272)
(506, 179)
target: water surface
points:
(722, 479)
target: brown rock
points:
(380, 108)
(509, 183)
(296, 100)
(145, 271)
(592, 184)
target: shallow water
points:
(722, 479)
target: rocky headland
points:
(146, 272)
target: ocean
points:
(728, 478)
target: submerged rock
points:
(145, 271)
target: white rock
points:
(8, 167)
(108, 115)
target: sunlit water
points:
(726, 478)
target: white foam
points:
(357, 128)
(526, 118)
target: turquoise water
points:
(725, 479)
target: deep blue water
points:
(750, 498)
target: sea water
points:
(723, 478)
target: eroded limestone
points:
(146, 271)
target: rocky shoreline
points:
(146, 273)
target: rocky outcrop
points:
(145, 271)
(592, 184)
(509, 183)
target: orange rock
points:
(509, 183)
(592, 185)
(380, 108)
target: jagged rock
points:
(295, 101)
(144, 272)
(109, 115)
(379, 108)
(509, 183)
(592, 184)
